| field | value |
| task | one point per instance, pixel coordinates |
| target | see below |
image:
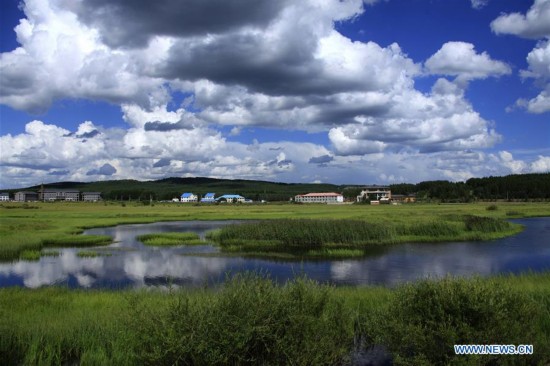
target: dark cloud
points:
(124, 23)
(166, 126)
(59, 172)
(106, 169)
(323, 159)
(284, 163)
(280, 163)
(248, 60)
(162, 163)
(88, 135)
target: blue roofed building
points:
(188, 197)
(231, 198)
(208, 198)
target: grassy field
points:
(34, 226)
(251, 320)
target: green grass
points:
(343, 238)
(170, 239)
(30, 255)
(91, 254)
(60, 223)
(252, 320)
(50, 253)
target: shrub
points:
(425, 320)
(249, 321)
(485, 224)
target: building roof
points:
(91, 192)
(4, 194)
(226, 196)
(187, 195)
(209, 195)
(51, 190)
(327, 194)
(26, 192)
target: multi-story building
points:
(91, 196)
(26, 196)
(375, 193)
(59, 195)
(329, 197)
(188, 197)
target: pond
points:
(128, 263)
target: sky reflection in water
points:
(131, 264)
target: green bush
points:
(485, 224)
(425, 320)
(249, 321)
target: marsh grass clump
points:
(78, 241)
(424, 320)
(30, 255)
(432, 229)
(92, 254)
(306, 233)
(492, 208)
(335, 253)
(348, 238)
(50, 253)
(485, 224)
(250, 321)
(513, 213)
(169, 239)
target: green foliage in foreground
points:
(346, 238)
(251, 320)
(171, 238)
(424, 321)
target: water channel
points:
(129, 263)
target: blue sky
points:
(358, 92)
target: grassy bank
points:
(251, 320)
(170, 239)
(39, 225)
(348, 238)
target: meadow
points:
(251, 320)
(36, 226)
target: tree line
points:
(511, 187)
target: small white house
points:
(188, 197)
(4, 196)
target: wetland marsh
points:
(290, 312)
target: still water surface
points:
(131, 264)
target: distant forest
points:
(511, 187)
